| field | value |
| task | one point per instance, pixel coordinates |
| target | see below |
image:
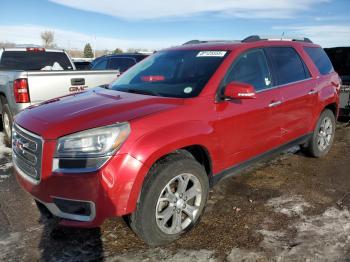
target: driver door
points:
(250, 127)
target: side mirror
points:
(238, 90)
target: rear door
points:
(250, 127)
(298, 90)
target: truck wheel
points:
(323, 135)
(7, 124)
(172, 200)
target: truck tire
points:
(323, 135)
(172, 200)
(7, 121)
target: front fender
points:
(153, 145)
(160, 142)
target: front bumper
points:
(111, 191)
(71, 209)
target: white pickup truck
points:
(31, 75)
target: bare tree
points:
(7, 44)
(48, 38)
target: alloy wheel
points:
(178, 204)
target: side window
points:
(320, 59)
(102, 65)
(288, 65)
(251, 68)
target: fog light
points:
(74, 207)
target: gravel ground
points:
(292, 208)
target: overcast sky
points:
(156, 24)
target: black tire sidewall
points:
(7, 137)
(314, 147)
(143, 220)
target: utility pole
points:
(94, 47)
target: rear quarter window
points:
(320, 59)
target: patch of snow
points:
(8, 244)
(324, 237)
(318, 238)
(289, 205)
(158, 254)
(6, 166)
(5, 156)
(237, 254)
(4, 149)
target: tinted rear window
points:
(320, 59)
(82, 65)
(23, 60)
(340, 58)
(288, 65)
(121, 63)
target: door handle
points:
(276, 103)
(312, 92)
(77, 81)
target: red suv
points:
(150, 146)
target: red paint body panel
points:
(230, 131)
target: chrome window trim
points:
(279, 86)
(53, 208)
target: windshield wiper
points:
(143, 92)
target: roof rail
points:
(254, 38)
(193, 42)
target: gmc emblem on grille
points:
(20, 145)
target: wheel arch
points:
(198, 152)
(334, 108)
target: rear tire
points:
(323, 135)
(172, 200)
(7, 121)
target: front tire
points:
(323, 135)
(172, 200)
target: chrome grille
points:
(27, 152)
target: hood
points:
(98, 107)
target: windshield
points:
(182, 73)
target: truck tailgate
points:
(44, 85)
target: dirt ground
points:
(292, 208)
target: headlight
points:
(89, 149)
(97, 142)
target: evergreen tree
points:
(118, 51)
(88, 51)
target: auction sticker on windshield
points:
(211, 53)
